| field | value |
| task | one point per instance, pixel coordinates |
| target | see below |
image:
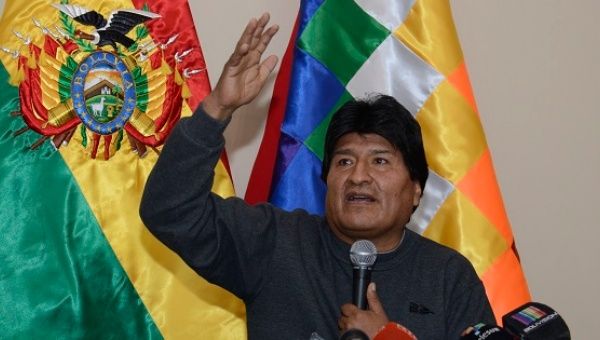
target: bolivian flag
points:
(81, 125)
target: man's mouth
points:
(359, 198)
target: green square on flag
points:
(342, 37)
(316, 140)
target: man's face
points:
(369, 191)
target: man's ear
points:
(418, 192)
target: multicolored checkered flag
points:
(408, 49)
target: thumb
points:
(373, 299)
(266, 67)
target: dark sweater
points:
(288, 267)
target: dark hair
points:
(384, 116)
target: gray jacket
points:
(288, 267)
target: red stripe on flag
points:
(176, 18)
(259, 186)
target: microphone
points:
(354, 334)
(534, 321)
(395, 331)
(487, 332)
(362, 255)
(391, 331)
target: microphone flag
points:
(535, 321)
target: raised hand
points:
(244, 74)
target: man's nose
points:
(360, 173)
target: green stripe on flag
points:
(342, 36)
(59, 277)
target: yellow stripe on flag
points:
(429, 31)
(460, 225)
(452, 133)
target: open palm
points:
(244, 75)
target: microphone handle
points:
(361, 279)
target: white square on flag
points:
(395, 70)
(389, 13)
(436, 191)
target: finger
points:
(247, 34)
(243, 45)
(266, 38)
(266, 67)
(373, 299)
(348, 309)
(237, 56)
(258, 31)
(467, 331)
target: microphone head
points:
(535, 321)
(363, 254)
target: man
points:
(292, 269)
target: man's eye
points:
(344, 161)
(381, 161)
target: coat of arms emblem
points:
(107, 80)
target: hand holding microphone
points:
(356, 316)
(363, 255)
(369, 321)
(358, 322)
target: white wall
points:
(534, 69)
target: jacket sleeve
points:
(467, 303)
(226, 241)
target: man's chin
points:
(357, 232)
